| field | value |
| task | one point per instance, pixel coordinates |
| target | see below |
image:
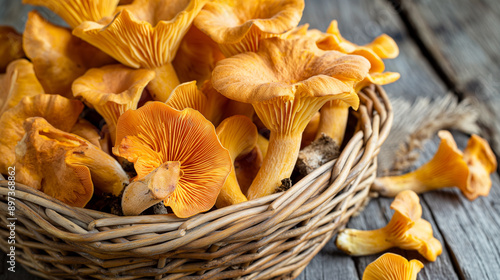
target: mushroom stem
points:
(166, 80)
(152, 189)
(278, 164)
(229, 195)
(366, 242)
(446, 169)
(333, 120)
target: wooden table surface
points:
(445, 46)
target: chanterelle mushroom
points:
(390, 266)
(469, 171)
(58, 57)
(196, 57)
(19, 81)
(145, 34)
(60, 112)
(206, 100)
(238, 134)
(11, 46)
(183, 153)
(74, 12)
(334, 114)
(112, 90)
(64, 165)
(481, 162)
(406, 230)
(239, 25)
(287, 81)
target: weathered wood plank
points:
(464, 41)
(470, 228)
(360, 22)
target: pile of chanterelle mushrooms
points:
(185, 87)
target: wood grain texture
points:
(465, 43)
(362, 21)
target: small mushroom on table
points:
(390, 266)
(406, 230)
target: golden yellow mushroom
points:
(182, 150)
(18, 82)
(469, 170)
(196, 57)
(238, 26)
(390, 266)
(209, 102)
(406, 230)
(334, 114)
(145, 34)
(64, 165)
(11, 46)
(287, 81)
(60, 112)
(481, 162)
(58, 57)
(74, 12)
(111, 90)
(238, 135)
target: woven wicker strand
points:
(273, 237)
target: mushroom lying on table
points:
(390, 266)
(469, 170)
(406, 230)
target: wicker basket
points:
(273, 237)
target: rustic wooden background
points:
(446, 46)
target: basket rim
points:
(91, 228)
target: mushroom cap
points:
(481, 162)
(60, 112)
(43, 163)
(238, 134)
(447, 168)
(75, 12)
(112, 90)
(11, 46)
(145, 34)
(289, 71)
(238, 25)
(196, 57)
(57, 56)
(156, 133)
(383, 46)
(87, 131)
(207, 101)
(19, 81)
(408, 230)
(390, 266)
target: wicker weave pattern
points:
(274, 237)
